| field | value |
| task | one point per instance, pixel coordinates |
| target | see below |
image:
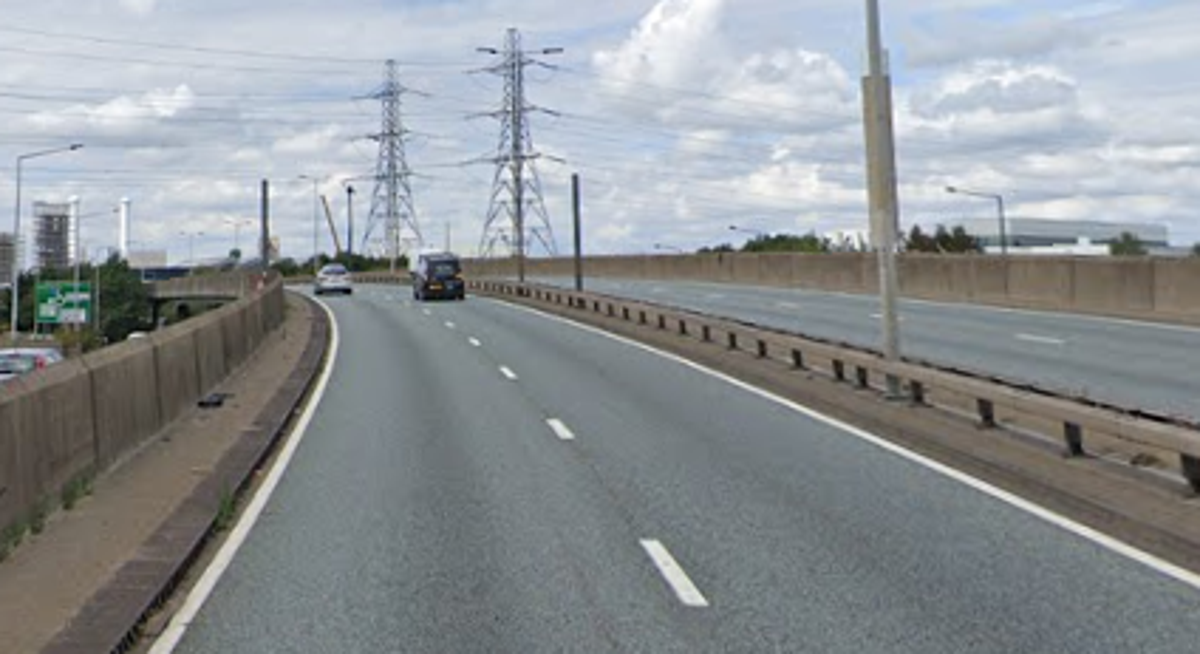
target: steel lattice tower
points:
(516, 188)
(392, 201)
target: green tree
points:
(919, 241)
(124, 300)
(809, 242)
(724, 247)
(956, 241)
(1127, 245)
(235, 254)
(1196, 250)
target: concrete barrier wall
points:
(1147, 288)
(125, 397)
(53, 428)
(212, 363)
(80, 416)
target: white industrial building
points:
(1049, 236)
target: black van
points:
(438, 275)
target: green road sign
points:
(64, 303)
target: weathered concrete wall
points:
(1147, 288)
(81, 416)
(125, 397)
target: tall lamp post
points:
(191, 236)
(16, 267)
(999, 207)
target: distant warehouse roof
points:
(1034, 232)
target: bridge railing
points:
(1081, 424)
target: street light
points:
(191, 245)
(316, 217)
(758, 233)
(16, 268)
(237, 230)
(999, 207)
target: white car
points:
(333, 278)
(15, 362)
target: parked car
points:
(333, 278)
(437, 275)
(15, 362)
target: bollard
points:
(839, 370)
(1073, 435)
(987, 413)
(916, 391)
(1190, 466)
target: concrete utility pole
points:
(264, 245)
(881, 184)
(575, 202)
(515, 156)
(349, 220)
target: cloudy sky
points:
(681, 116)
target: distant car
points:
(333, 278)
(437, 275)
(15, 362)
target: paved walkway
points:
(51, 576)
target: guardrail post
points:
(987, 413)
(1073, 435)
(706, 333)
(916, 391)
(733, 345)
(839, 370)
(862, 377)
(1190, 467)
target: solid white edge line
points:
(475, 342)
(507, 372)
(560, 429)
(673, 573)
(182, 620)
(1110, 543)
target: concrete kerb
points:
(112, 618)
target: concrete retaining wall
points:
(1144, 288)
(81, 416)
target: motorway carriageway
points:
(1133, 364)
(478, 477)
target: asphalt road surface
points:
(1133, 364)
(479, 478)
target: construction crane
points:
(337, 242)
